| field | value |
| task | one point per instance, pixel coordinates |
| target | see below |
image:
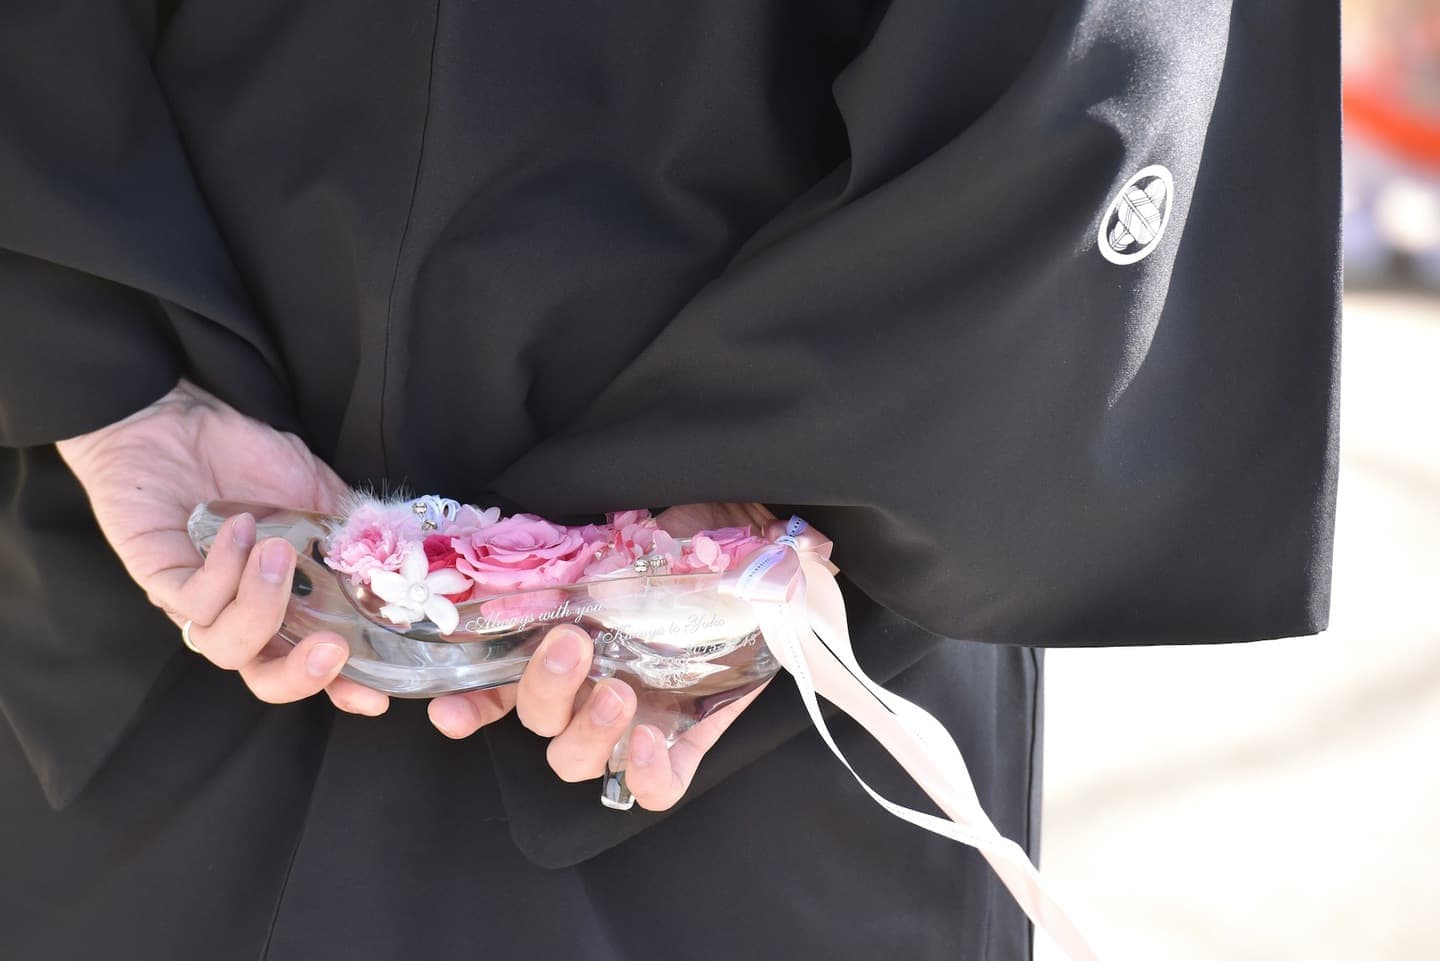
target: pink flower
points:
(612, 560)
(440, 552)
(524, 552)
(372, 539)
(629, 536)
(719, 550)
(470, 519)
(623, 519)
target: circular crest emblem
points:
(1136, 220)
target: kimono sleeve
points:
(103, 231)
(113, 281)
(1062, 371)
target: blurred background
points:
(1281, 800)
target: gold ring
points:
(185, 635)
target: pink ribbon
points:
(791, 584)
(773, 574)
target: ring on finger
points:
(185, 634)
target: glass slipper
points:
(685, 647)
(688, 644)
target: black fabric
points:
(836, 257)
(229, 830)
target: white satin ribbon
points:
(801, 612)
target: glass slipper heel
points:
(685, 648)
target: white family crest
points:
(1136, 219)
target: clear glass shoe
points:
(688, 644)
(684, 645)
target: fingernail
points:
(606, 705)
(275, 560)
(642, 747)
(244, 531)
(324, 659)
(562, 654)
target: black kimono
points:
(1030, 306)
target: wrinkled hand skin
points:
(556, 700)
(145, 474)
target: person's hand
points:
(584, 728)
(145, 474)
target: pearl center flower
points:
(414, 592)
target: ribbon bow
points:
(801, 612)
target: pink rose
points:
(720, 549)
(441, 554)
(371, 539)
(440, 551)
(524, 552)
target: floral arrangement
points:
(423, 556)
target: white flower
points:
(413, 593)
